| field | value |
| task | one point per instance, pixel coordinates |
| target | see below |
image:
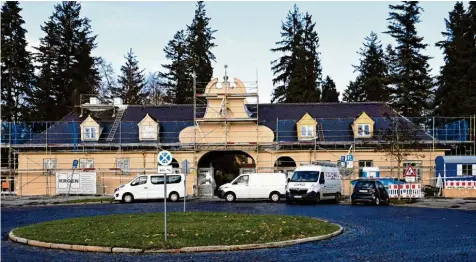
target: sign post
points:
(410, 174)
(185, 170)
(349, 161)
(75, 165)
(164, 158)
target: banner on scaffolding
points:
(83, 183)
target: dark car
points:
(369, 192)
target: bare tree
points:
(108, 84)
(399, 140)
(158, 92)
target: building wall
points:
(32, 180)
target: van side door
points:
(139, 187)
(156, 189)
(241, 186)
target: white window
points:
(467, 170)
(86, 163)
(123, 164)
(90, 132)
(364, 130)
(148, 132)
(49, 163)
(307, 131)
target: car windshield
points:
(365, 184)
(305, 176)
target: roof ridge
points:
(328, 103)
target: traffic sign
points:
(75, 164)
(350, 158)
(342, 159)
(164, 169)
(164, 158)
(410, 174)
(185, 166)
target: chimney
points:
(93, 100)
(118, 101)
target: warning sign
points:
(410, 174)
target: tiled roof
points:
(336, 120)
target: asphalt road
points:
(371, 233)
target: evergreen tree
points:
(108, 80)
(298, 71)
(412, 81)
(178, 77)
(131, 82)
(453, 96)
(16, 67)
(67, 68)
(373, 70)
(329, 91)
(200, 42)
(355, 91)
(470, 77)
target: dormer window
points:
(148, 132)
(364, 130)
(148, 128)
(90, 130)
(90, 133)
(307, 131)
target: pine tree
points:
(329, 91)
(471, 76)
(16, 67)
(373, 70)
(67, 68)
(412, 81)
(355, 92)
(131, 82)
(178, 77)
(298, 71)
(453, 96)
(200, 42)
(108, 80)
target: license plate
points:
(364, 191)
(297, 196)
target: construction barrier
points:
(460, 184)
(411, 190)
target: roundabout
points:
(384, 233)
(187, 232)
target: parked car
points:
(369, 191)
(314, 183)
(270, 186)
(151, 187)
(384, 180)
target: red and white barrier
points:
(411, 190)
(460, 184)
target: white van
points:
(255, 186)
(151, 187)
(314, 182)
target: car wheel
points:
(377, 201)
(128, 198)
(387, 202)
(230, 197)
(317, 200)
(337, 198)
(174, 197)
(274, 197)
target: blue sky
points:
(246, 33)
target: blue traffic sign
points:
(342, 159)
(350, 158)
(75, 164)
(164, 158)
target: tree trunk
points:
(398, 177)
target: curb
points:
(278, 244)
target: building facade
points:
(225, 132)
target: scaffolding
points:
(225, 103)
